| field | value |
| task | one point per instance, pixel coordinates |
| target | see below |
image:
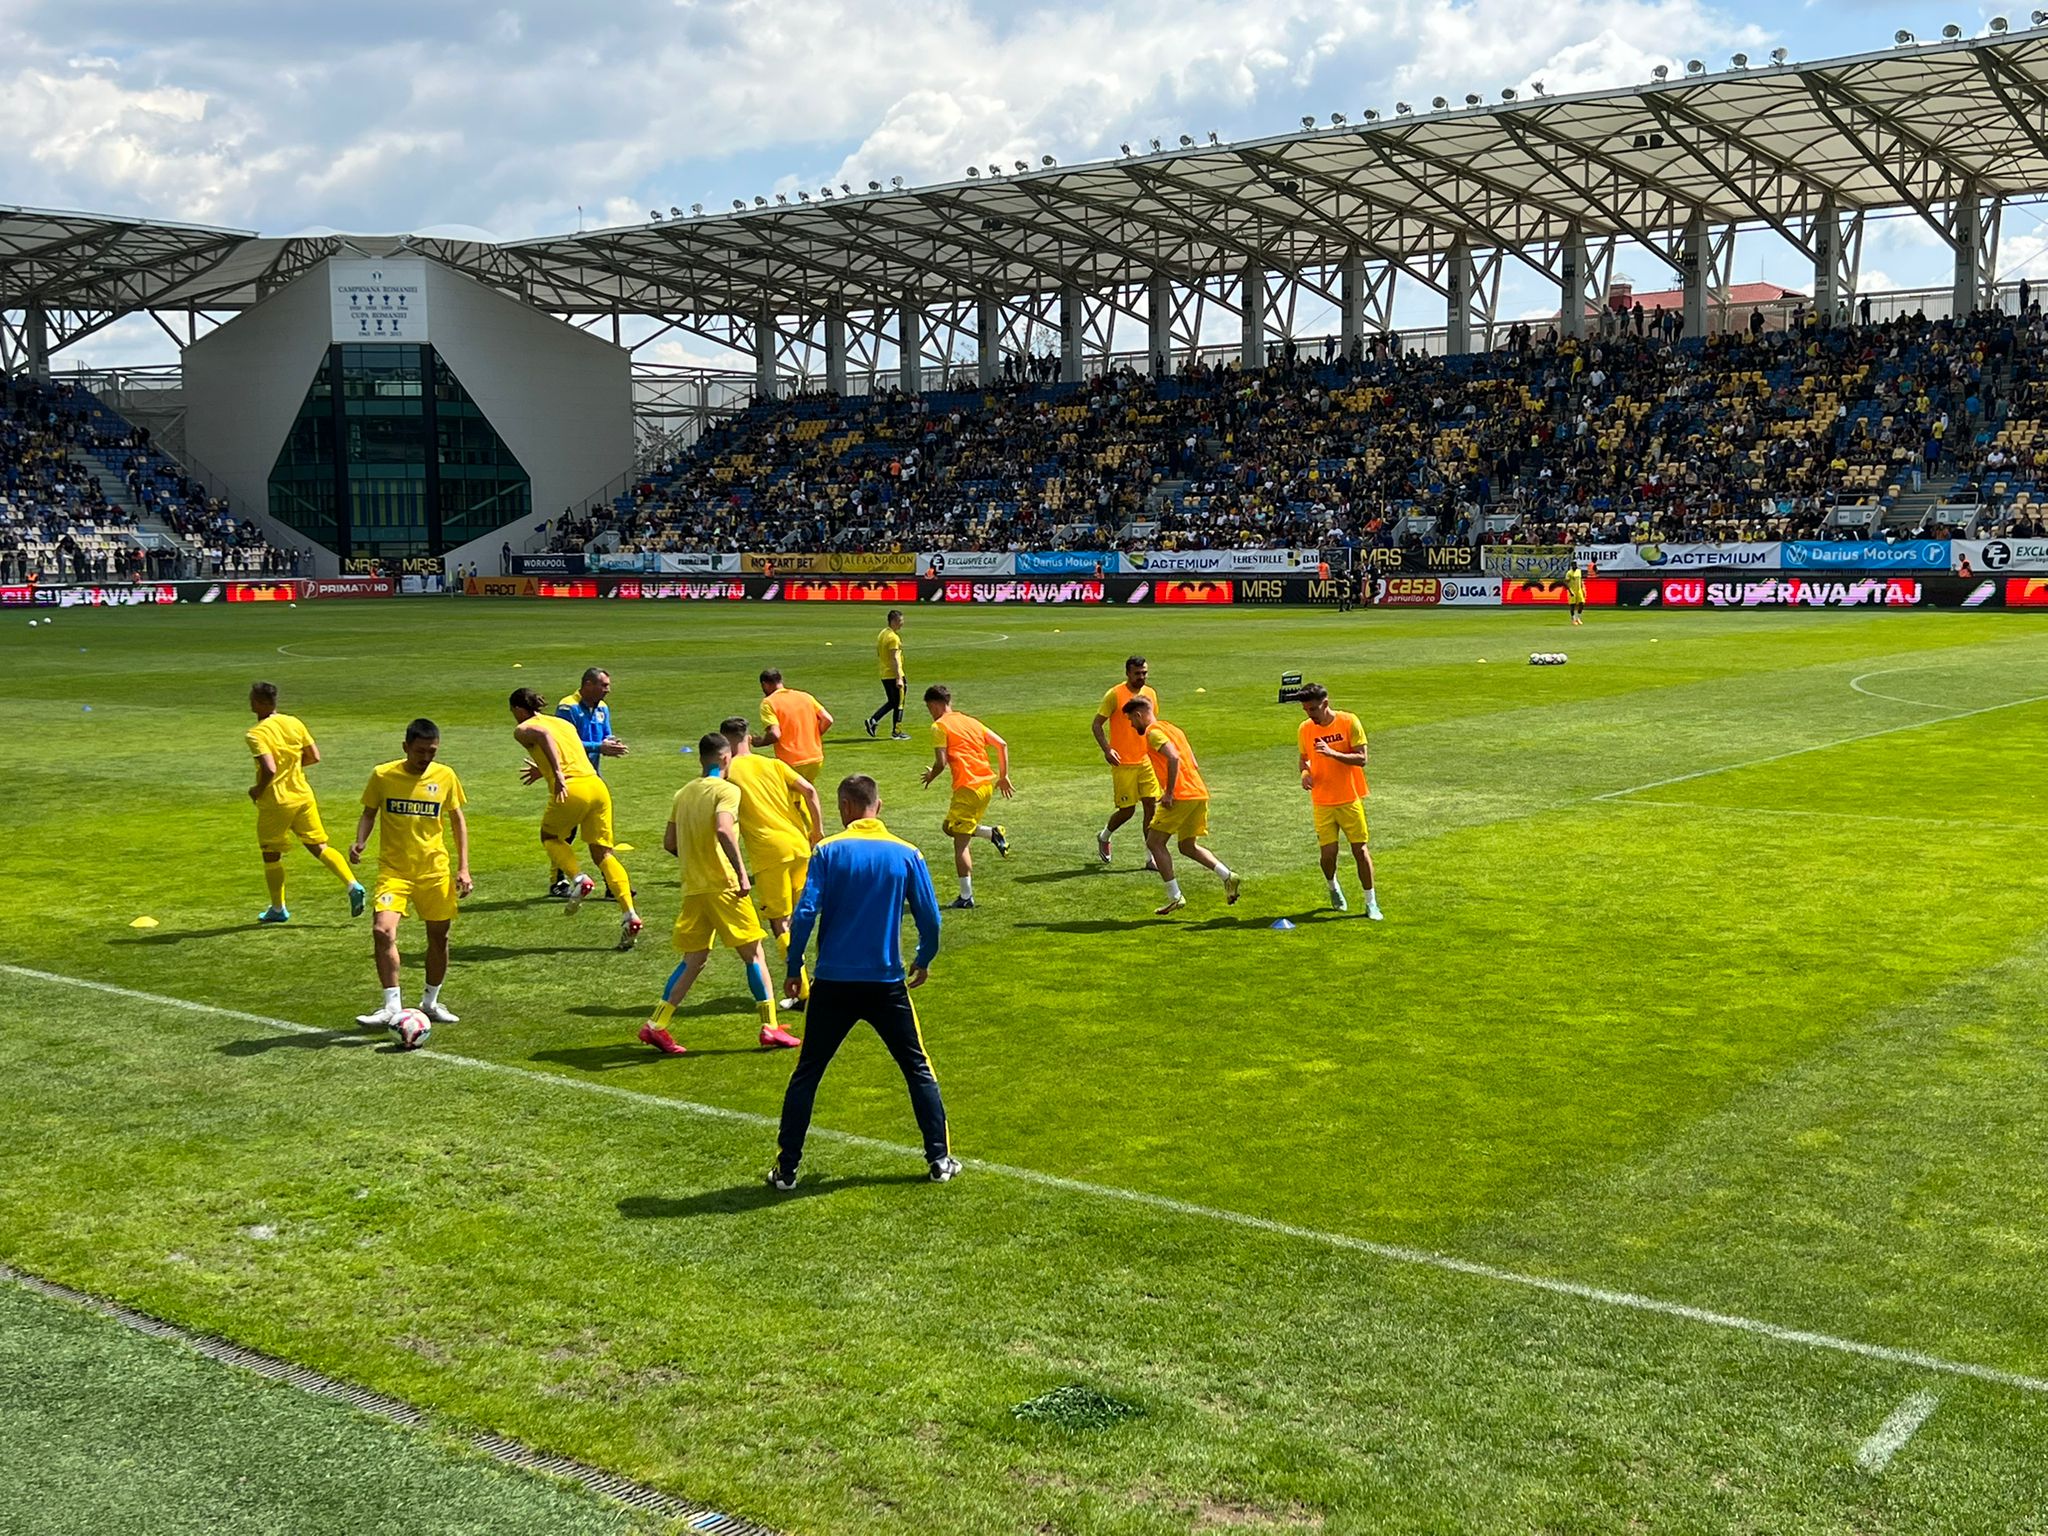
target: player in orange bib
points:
(961, 743)
(1183, 805)
(1333, 772)
(793, 724)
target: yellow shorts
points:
(777, 886)
(1348, 819)
(277, 823)
(723, 915)
(1134, 782)
(587, 810)
(809, 770)
(969, 804)
(433, 899)
(1188, 818)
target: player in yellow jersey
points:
(1132, 781)
(961, 744)
(781, 820)
(889, 662)
(1183, 804)
(578, 800)
(285, 808)
(1333, 772)
(1575, 590)
(407, 802)
(704, 833)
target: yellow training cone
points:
(622, 847)
(143, 922)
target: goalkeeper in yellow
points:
(1183, 810)
(285, 808)
(578, 801)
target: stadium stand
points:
(84, 496)
(1815, 431)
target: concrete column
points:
(1572, 284)
(1696, 257)
(1351, 303)
(765, 336)
(1072, 307)
(835, 354)
(1969, 233)
(988, 340)
(1827, 257)
(1251, 349)
(910, 350)
(1458, 299)
(36, 328)
(1159, 321)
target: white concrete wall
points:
(244, 383)
(561, 398)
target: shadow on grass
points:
(741, 1198)
(1082, 872)
(621, 1054)
(510, 904)
(484, 954)
(180, 935)
(1104, 924)
(261, 1044)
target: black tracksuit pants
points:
(830, 1016)
(892, 705)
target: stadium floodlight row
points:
(1948, 131)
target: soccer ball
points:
(411, 1029)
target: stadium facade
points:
(497, 404)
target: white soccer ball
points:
(411, 1029)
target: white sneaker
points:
(1337, 900)
(579, 892)
(383, 1018)
(789, 1004)
(1373, 912)
(438, 1012)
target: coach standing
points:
(860, 881)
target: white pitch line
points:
(1392, 1253)
(1856, 685)
(1765, 810)
(1822, 746)
(1905, 1421)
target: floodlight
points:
(654, 214)
(697, 208)
(896, 182)
(1695, 67)
(974, 170)
(1902, 37)
(1402, 109)
(1999, 24)
(1662, 71)
(1779, 55)
(1372, 114)
(738, 204)
(1187, 141)
(1047, 161)
(824, 191)
(845, 189)
(1155, 146)
(1308, 122)
(1125, 148)
(1536, 86)
(675, 212)
(1507, 93)
(1337, 119)
(1471, 99)
(1023, 165)
(1951, 32)
(802, 196)
(874, 186)
(760, 202)
(2039, 17)
(1438, 102)
(781, 197)
(1740, 61)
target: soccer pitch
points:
(1710, 996)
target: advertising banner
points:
(829, 564)
(1866, 555)
(1067, 563)
(1408, 591)
(620, 565)
(549, 565)
(1180, 592)
(963, 591)
(1432, 560)
(1472, 591)
(940, 563)
(35, 595)
(2000, 554)
(807, 590)
(1793, 592)
(1610, 558)
(2026, 591)
(1525, 559)
(378, 300)
(263, 591)
(1544, 592)
(1265, 562)
(690, 563)
(681, 591)
(350, 586)
(527, 586)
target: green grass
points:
(1766, 1041)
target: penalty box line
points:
(1822, 746)
(1343, 1242)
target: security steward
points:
(860, 881)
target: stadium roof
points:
(1913, 128)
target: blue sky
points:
(381, 117)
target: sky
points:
(522, 119)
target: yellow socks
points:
(562, 856)
(615, 880)
(336, 864)
(663, 1012)
(273, 876)
(766, 1009)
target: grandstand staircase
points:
(153, 532)
(1912, 507)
